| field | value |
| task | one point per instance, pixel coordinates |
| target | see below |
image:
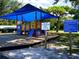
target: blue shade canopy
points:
(28, 13)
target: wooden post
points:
(45, 39)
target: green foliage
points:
(72, 11)
(7, 22)
(46, 10)
(75, 12)
(14, 5)
(75, 2)
(7, 6)
(67, 8)
(58, 10)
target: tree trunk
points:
(57, 25)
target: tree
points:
(67, 8)
(73, 11)
(7, 6)
(57, 10)
(75, 2)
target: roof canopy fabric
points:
(28, 13)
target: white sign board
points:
(45, 26)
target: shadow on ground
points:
(4, 38)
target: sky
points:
(45, 3)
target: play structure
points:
(28, 20)
(30, 28)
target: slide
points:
(31, 33)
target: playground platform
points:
(25, 43)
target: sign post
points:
(45, 39)
(45, 26)
(70, 44)
(70, 26)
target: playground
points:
(33, 36)
(30, 21)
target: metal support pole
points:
(70, 44)
(36, 25)
(22, 24)
(29, 25)
(17, 23)
(25, 27)
(40, 20)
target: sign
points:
(71, 26)
(45, 26)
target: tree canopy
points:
(7, 6)
(74, 2)
(58, 10)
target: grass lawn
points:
(61, 31)
(64, 40)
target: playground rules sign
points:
(45, 26)
(71, 26)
